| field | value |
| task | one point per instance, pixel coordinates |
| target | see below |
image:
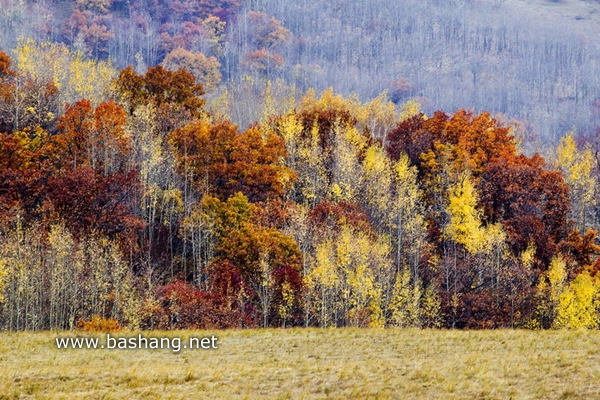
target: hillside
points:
(286, 164)
(531, 61)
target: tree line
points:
(130, 197)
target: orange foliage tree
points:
(220, 160)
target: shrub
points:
(99, 324)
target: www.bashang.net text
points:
(140, 341)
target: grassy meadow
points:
(311, 363)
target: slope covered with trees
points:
(129, 197)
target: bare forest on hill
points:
(531, 61)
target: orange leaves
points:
(256, 168)
(250, 259)
(219, 160)
(175, 96)
(467, 142)
(5, 63)
(582, 250)
(531, 202)
(160, 86)
(91, 138)
(99, 324)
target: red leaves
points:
(89, 202)
(5, 63)
(333, 216)
(183, 306)
(532, 203)
(409, 137)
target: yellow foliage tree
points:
(578, 305)
(465, 222)
(408, 222)
(2, 279)
(376, 117)
(549, 288)
(557, 276)
(377, 193)
(76, 76)
(577, 167)
(347, 177)
(344, 279)
(404, 304)
(410, 109)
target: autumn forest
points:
(189, 178)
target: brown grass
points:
(311, 363)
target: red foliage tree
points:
(531, 202)
(90, 202)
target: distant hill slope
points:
(581, 16)
(536, 61)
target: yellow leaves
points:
(376, 161)
(345, 267)
(405, 301)
(71, 72)
(566, 151)
(220, 106)
(32, 139)
(579, 304)
(570, 305)
(494, 237)
(337, 192)
(377, 117)
(406, 181)
(557, 275)
(327, 101)
(3, 273)
(24, 55)
(285, 307)
(374, 118)
(346, 169)
(577, 167)
(410, 109)
(528, 256)
(324, 272)
(465, 223)
(59, 278)
(377, 171)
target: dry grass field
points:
(311, 363)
